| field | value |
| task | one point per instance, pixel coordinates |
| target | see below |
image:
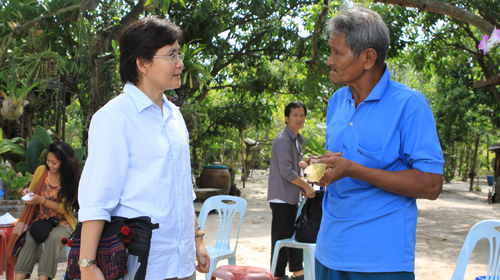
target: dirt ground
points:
(442, 227)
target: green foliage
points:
(9, 145)
(36, 152)
(80, 152)
(14, 181)
(16, 88)
(245, 60)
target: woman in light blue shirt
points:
(139, 162)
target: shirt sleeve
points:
(105, 171)
(285, 160)
(420, 147)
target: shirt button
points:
(172, 144)
(181, 219)
(179, 193)
(180, 243)
(350, 124)
(176, 169)
(352, 104)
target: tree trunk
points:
(465, 171)
(98, 94)
(454, 164)
(242, 157)
(472, 173)
(461, 152)
(495, 197)
(488, 153)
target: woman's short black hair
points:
(142, 39)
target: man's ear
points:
(142, 65)
(370, 57)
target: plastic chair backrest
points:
(484, 229)
(226, 213)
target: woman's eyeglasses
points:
(173, 57)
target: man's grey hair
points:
(363, 29)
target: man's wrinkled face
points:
(346, 67)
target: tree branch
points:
(445, 9)
(243, 87)
(20, 29)
(235, 57)
(317, 27)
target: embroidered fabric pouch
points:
(120, 237)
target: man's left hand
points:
(336, 169)
(202, 256)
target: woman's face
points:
(53, 163)
(163, 74)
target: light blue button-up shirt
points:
(139, 165)
(365, 228)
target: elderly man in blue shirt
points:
(383, 154)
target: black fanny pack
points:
(40, 229)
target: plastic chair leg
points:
(277, 248)
(312, 259)
(232, 261)
(309, 264)
(9, 271)
(213, 266)
(3, 247)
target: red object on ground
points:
(5, 233)
(241, 272)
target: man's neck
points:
(296, 132)
(363, 86)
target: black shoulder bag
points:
(307, 224)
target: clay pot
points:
(215, 177)
(10, 110)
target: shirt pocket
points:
(368, 159)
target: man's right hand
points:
(309, 192)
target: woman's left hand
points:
(202, 256)
(36, 200)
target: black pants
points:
(282, 228)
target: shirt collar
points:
(142, 101)
(378, 91)
(292, 136)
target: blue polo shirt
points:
(365, 228)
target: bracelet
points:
(199, 233)
(44, 202)
(197, 228)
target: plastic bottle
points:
(2, 189)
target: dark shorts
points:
(324, 273)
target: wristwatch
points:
(86, 262)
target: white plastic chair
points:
(227, 206)
(308, 250)
(484, 229)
